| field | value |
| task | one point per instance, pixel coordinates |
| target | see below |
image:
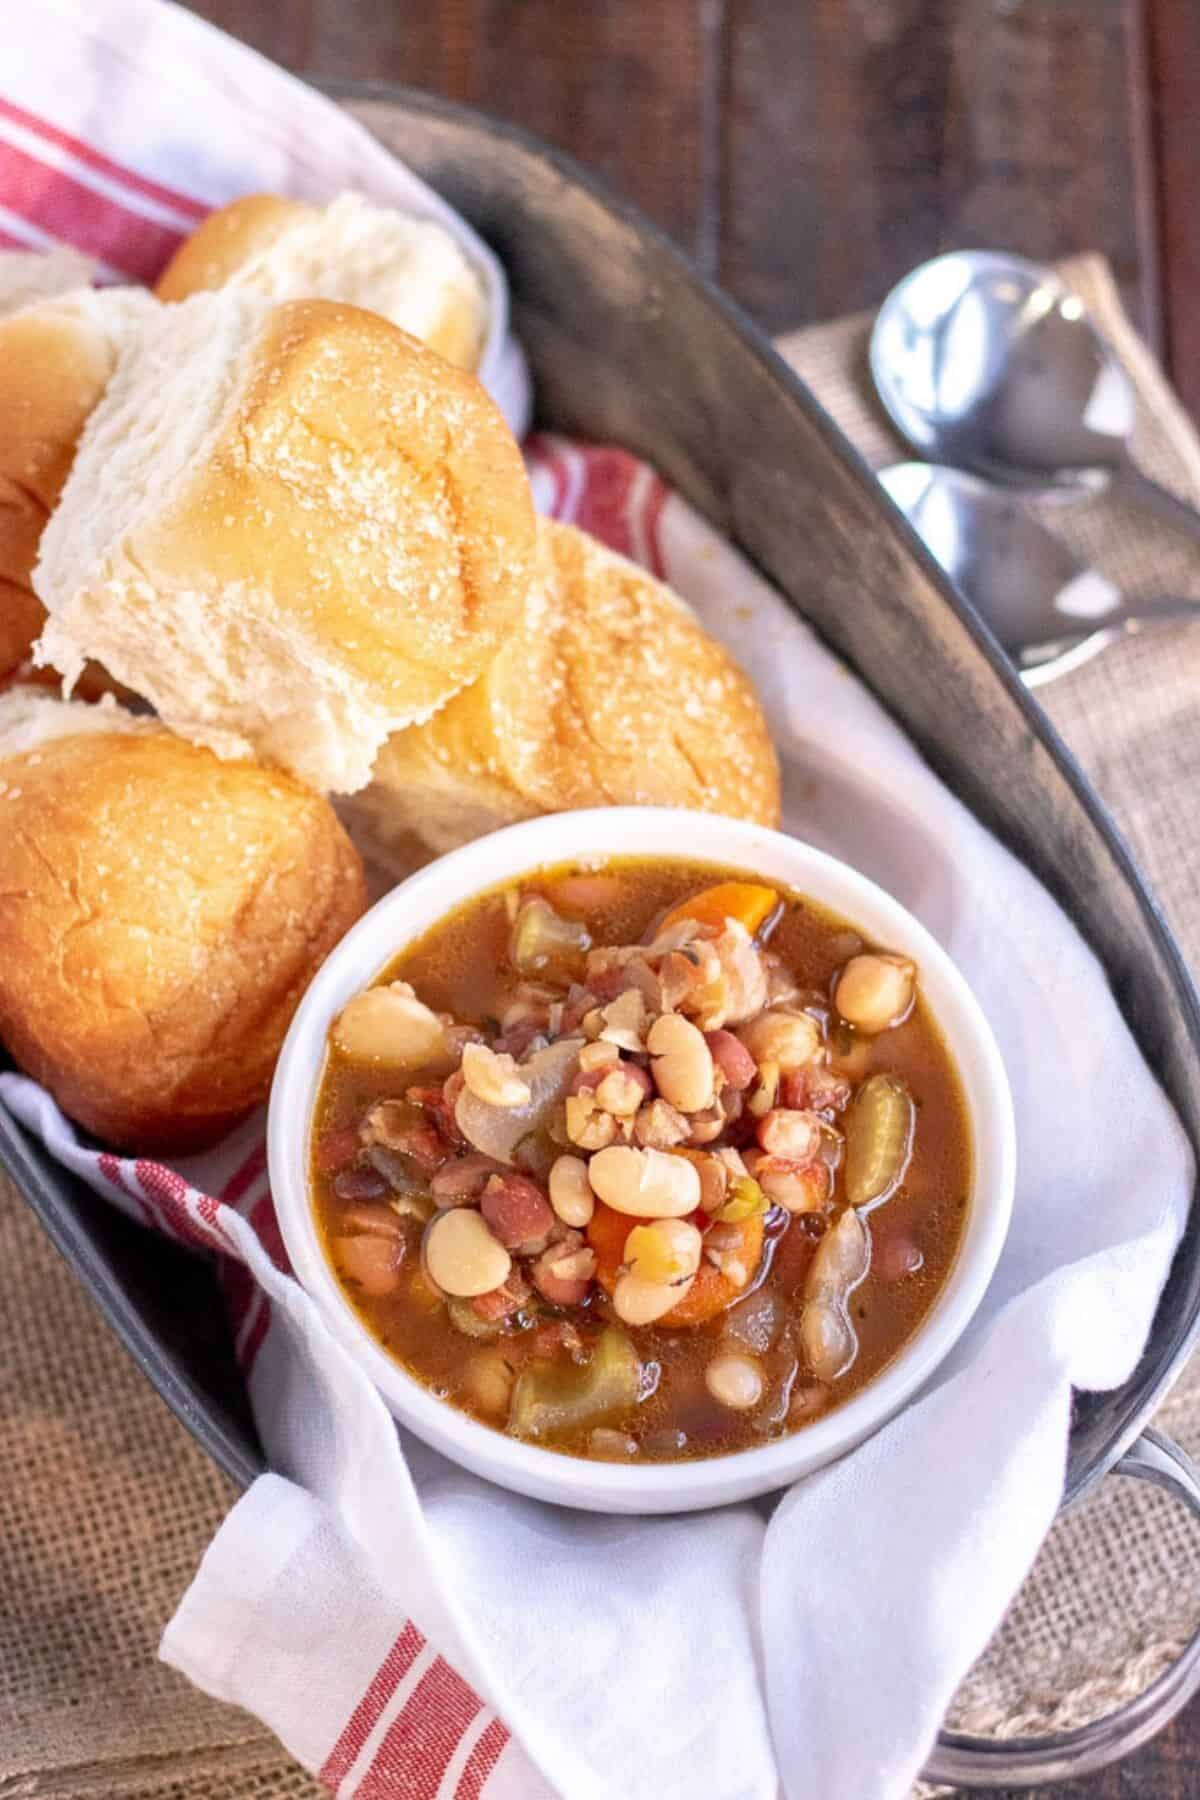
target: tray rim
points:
(1141, 1397)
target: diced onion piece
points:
(551, 1398)
(841, 1262)
(879, 1129)
(497, 1130)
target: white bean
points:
(389, 1025)
(571, 1192)
(666, 1250)
(788, 1039)
(734, 1381)
(876, 991)
(681, 1063)
(639, 1302)
(648, 1184)
(461, 1255)
(494, 1079)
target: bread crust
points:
(161, 914)
(347, 551)
(225, 241)
(56, 359)
(610, 693)
(411, 270)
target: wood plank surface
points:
(808, 152)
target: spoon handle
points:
(1133, 485)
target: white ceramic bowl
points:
(418, 903)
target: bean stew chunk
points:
(641, 1162)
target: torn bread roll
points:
(293, 529)
(30, 276)
(161, 914)
(411, 270)
(56, 359)
(610, 693)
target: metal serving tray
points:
(628, 343)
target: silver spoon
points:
(990, 363)
(1051, 612)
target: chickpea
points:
(649, 1184)
(734, 1381)
(571, 1192)
(461, 1255)
(389, 1025)
(681, 1063)
(588, 1125)
(623, 1091)
(786, 1132)
(787, 1039)
(488, 1380)
(494, 1079)
(639, 1302)
(876, 991)
(666, 1251)
(599, 1056)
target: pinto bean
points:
(559, 1272)
(373, 1263)
(464, 1178)
(732, 1058)
(519, 1214)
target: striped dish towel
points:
(409, 1631)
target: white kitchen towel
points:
(409, 1630)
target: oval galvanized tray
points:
(628, 343)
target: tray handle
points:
(960, 1760)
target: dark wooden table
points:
(808, 152)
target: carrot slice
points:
(744, 901)
(607, 1230)
(710, 1292)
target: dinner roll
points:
(293, 529)
(27, 276)
(609, 694)
(56, 358)
(410, 270)
(161, 913)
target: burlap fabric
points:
(106, 1505)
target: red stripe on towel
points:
(77, 215)
(367, 1714)
(482, 1760)
(87, 153)
(416, 1748)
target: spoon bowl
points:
(1051, 612)
(988, 362)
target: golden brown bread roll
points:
(610, 693)
(292, 529)
(410, 270)
(56, 358)
(161, 913)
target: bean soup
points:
(641, 1161)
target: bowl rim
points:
(411, 908)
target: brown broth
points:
(458, 967)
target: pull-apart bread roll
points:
(410, 270)
(161, 913)
(609, 694)
(293, 529)
(56, 359)
(29, 276)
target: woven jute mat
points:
(106, 1504)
